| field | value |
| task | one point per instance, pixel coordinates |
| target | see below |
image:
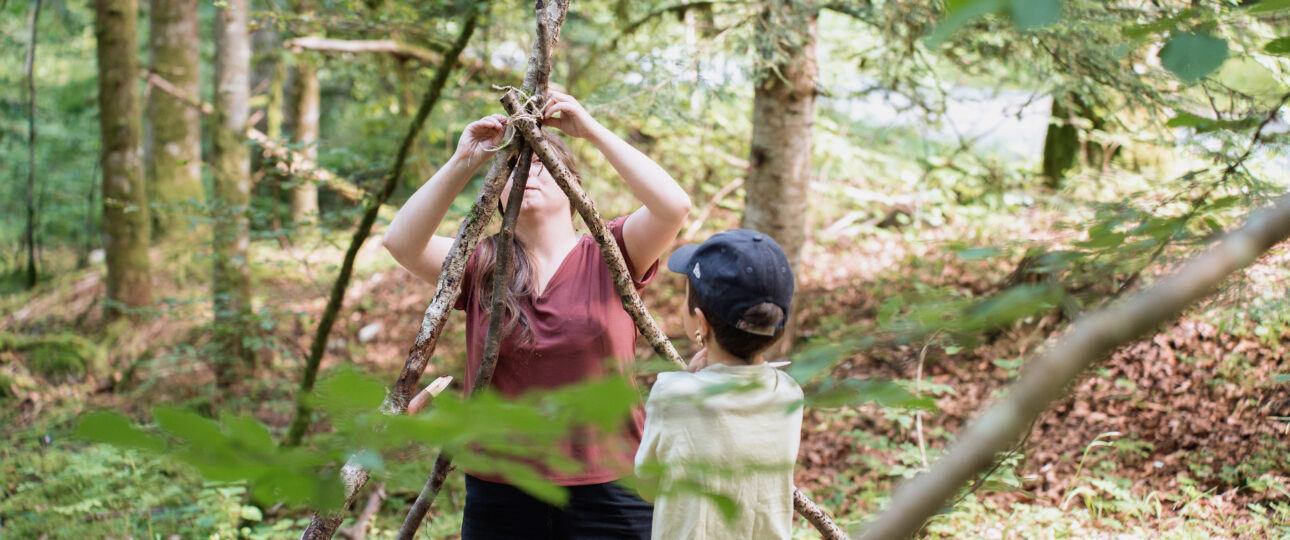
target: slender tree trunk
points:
(304, 195)
(231, 165)
(1061, 144)
(173, 147)
(783, 117)
(31, 148)
(125, 200)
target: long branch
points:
(1046, 378)
(319, 345)
(549, 23)
(568, 181)
(355, 476)
(527, 127)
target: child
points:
(730, 429)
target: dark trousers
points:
(598, 511)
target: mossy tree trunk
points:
(783, 118)
(1064, 143)
(173, 147)
(231, 165)
(305, 101)
(125, 201)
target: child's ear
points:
(704, 325)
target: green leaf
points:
(1279, 46)
(197, 431)
(1012, 305)
(1029, 14)
(1205, 125)
(248, 432)
(958, 13)
(1268, 6)
(1102, 239)
(115, 429)
(852, 392)
(251, 513)
(1192, 56)
(348, 391)
(979, 253)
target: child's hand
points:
(573, 120)
(699, 361)
(423, 397)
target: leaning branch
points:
(353, 474)
(1046, 378)
(527, 127)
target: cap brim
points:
(679, 261)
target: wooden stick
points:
(502, 272)
(567, 179)
(549, 22)
(1046, 378)
(389, 46)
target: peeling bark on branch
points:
(817, 518)
(387, 46)
(1046, 378)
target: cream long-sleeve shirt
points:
(732, 431)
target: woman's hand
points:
(699, 361)
(573, 120)
(479, 140)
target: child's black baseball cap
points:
(735, 270)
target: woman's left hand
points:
(573, 120)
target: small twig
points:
(695, 225)
(359, 530)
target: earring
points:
(698, 336)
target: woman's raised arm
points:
(649, 230)
(410, 238)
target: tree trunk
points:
(125, 200)
(31, 149)
(173, 147)
(304, 195)
(783, 117)
(1061, 144)
(231, 165)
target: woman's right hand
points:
(479, 140)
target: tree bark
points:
(31, 147)
(231, 167)
(1047, 377)
(173, 145)
(1061, 144)
(304, 192)
(125, 200)
(783, 117)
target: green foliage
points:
(1026, 14)
(1192, 56)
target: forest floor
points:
(1182, 434)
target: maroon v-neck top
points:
(580, 332)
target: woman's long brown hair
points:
(522, 279)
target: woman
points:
(565, 322)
